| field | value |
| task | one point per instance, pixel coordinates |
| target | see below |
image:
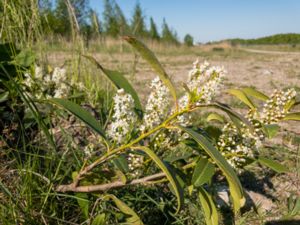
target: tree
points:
(153, 33)
(110, 22)
(168, 35)
(188, 40)
(138, 26)
(64, 20)
(121, 20)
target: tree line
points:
(63, 17)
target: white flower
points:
(38, 72)
(157, 105)
(123, 118)
(59, 74)
(276, 107)
(205, 81)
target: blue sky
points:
(213, 20)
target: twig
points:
(104, 187)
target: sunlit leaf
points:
(149, 56)
(242, 96)
(119, 81)
(134, 219)
(203, 172)
(255, 93)
(209, 208)
(99, 219)
(292, 116)
(235, 187)
(272, 164)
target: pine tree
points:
(153, 33)
(168, 35)
(110, 22)
(63, 22)
(121, 20)
(138, 26)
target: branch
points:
(104, 187)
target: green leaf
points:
(271, 130)
(121, 163)
(149, 56)
(4, 96)
(234, 116)
(170, 176)
(242, 96)
(83, 202)
(80, 113)
(215, 116)
(203, 172)
(292, 116)
(296, 208)
(235, 187)
(119, 81)
(255, 93)
(99, 219)
(209, 207)
(134, 219)
(25, 58)
(272, 164)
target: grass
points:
(31, 168)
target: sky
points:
(214, 20)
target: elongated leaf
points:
(134, 219)
(80, 113)
(119, 81)
(173, 181)
(292, 116)
(255, 93)
(99, 219)
(242, 96)
(271, 130)
(272, 164)
(24, 58)
(235, 187)
(83, 202)
(234, 116)
(215, 116)
(4, 96)
(203, 172)
(209, 208)
(149, 56)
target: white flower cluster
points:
(59, 78)
(134, 163)
(276, 107)
(205, 81)
(237, 146)
(124, 117)
(157, 105)
(49, 85)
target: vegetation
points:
(79, 146)
(291, 39)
